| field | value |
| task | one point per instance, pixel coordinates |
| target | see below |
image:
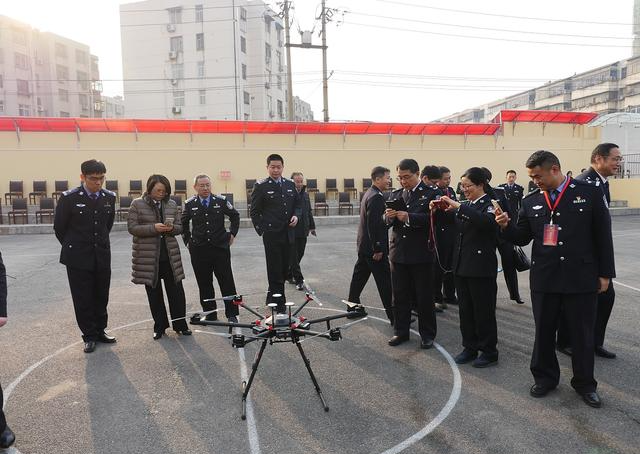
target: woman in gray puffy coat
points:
(156, 254)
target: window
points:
(22, 61)
(280, 110)
(24, 110)
(1, 106)
(177, 71)
(203, 97)
(1, 81)
(84, 101)
(37, 80)
(19, 36)
(267, 54)
(244, 72)
(178, 98)
(199, 13)
(279, 33)
(243, 45)
(61, 50)
(267, 79)
(64, 114)
(62, 73)
(270, 105)
(247, 98)
(23, 87)
(175, 15)
(267, 24)
(83, 79)
(201, 70)
(63, 95)
(279, 79)
(175, 43)
(199, 41)
(243, 14)
(81, 57)
(279, 60)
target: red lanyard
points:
(555, 205)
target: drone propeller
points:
(337, 330)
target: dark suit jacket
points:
(272, 206)
(591, 176)
(513, 194)
(306, 221)
(3, 289)
(475, 251)
(207, 224)
(585, 247)
(373, 233)
(82, 227)
(446, 230)
(410, 242)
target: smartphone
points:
(496, 205)
(168, 222)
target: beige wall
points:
(57, 156)
(626, 189)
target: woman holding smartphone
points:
(156, 254)
(475, 268)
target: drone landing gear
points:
(246, 385)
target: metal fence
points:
(630, 166)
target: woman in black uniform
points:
(475, 269)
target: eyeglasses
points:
(467, 186)
(404, 177)
(94, 179)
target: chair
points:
(180, 188)
(15, 190)
(320, 204)
(366, 183)
(60, 186)
(18, 209)
(1, 220)
(312, 186)
(123, 209)
(177, 199)
(39, 190)
(248, 184)
(112, 185)
(350, 186)
(135, 188)
(344, 202)
(331, 186)
(228, 196)
(46, 209)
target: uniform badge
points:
(572, 185)
(537, 207)
(80, 205)
(579, 199)
(194, 208)
(269, 192)
(491, 210)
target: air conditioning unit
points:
(171, 28)
(174, 81)
(176, 110)
(173, 55)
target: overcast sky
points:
(393, 62)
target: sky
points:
(398, 60)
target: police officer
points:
(444, 291)
(275, 209)
(7, 437)
(513, 191)
(209, 243)
(411, 257)
(306, 224)
(572, 261)
(82, 223)
(605, 162)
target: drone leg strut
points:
(247, 385)
(313, 377)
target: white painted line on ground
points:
(617, 282)
(252, 429)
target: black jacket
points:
(410, 243)
(591, 176)
(585, 247)
(513, 194)
(477, 239)
(445, 230)
(3, 289)
(207, 224)
(272, 205)
(306, 221)
(373, 233)
(82, 227)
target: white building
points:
(301, 110)
(203, 59)
(112, 107)
(46, 75)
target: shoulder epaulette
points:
(535, 191)
(191, 199)
(264, 180)
(219, 196)
(111, 193)
(71, 191)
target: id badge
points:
(550, 237)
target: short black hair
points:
(408, 164)
(378, 172)
(275, 157)
(511, 171)
(431, 172)
(487, 173)
(444, 170)
(155, 179)
(604, 150)
(93, 167)
(477, 175)
(542, 158)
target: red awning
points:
(544, 116)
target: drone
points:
(283, 324)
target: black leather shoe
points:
(89, 346)
(483, 361)
(106, 339)
(566, 350)
(466, 356)
(437, 309)
(539, 390)
(592, 399)
(7, 438)
(157, 336)
(185, 332)
(426, 344)
(300, 286)
(397, 340)
(212, 317)
(518, 301)
(604, 353)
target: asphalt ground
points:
(182, 394)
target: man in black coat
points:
(82, 223)
(411, 255)
(605, 162)
(275, 210)
(7, 437)
(513, 191)
(571, 262)
(209, 243)
(373, 243)
(444, 290)
(305, 225)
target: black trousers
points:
(208, 261)
(507, 258)
(365, 266)
(477, 310)
(175, 297)
(3, 420)
(413, 282)
(276, 251)
(603, 312)
(296, 252)
(580, 313)
(90, 294)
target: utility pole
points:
(325, 84)
(287, 38)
